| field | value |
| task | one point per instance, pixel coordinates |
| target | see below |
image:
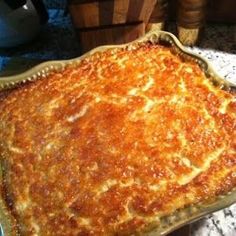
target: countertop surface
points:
(57, 41)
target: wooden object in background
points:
(100, 22)
(159, 15)
(190, 20)
(93, 15)
(109, 12)
(221, 11)
(91, 38)
(120, 13)
(84, 14)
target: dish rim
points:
(180, 217)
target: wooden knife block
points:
(109, 21)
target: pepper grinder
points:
(190, 20)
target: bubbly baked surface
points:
(110, 146)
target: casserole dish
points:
(168, 222)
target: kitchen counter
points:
(57, 41)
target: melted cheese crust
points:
(111, 145)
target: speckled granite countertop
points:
(219, 47)
(57, 41)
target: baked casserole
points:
(115, 143)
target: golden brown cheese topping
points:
(110, 146)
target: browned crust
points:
(97, 148)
